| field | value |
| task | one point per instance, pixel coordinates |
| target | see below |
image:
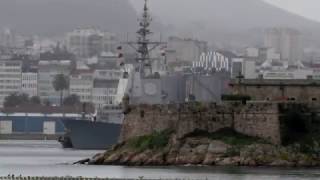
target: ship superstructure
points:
(145, 84)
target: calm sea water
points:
(47, 158)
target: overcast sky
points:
(307, 8)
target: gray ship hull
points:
(85, 134)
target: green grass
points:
(229, 136)
(154, 141)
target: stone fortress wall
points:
(253, 119)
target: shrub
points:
(154, 141)
(229, 136)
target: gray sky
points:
(307, 8)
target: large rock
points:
(126, 157)
(282, 163)
(218, 147)
(229, 161)
(141, 158)
(191, 155)
(193, 142)
(209, 159)
(201, 149)
(157, 159)
(261, 154)
(97, 159)
(112, 159)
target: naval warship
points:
(142, 84)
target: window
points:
(292, 99)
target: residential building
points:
(98, 87)
(104, 93)
(110, 42)
(286, 42)
(81, 84)
(249, 69)
(8, 38)
(107, 74)
(86, 43)
(108, 60)
(10, 78)
(29, 83)
(46, 74)
(252, 52)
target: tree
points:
(16, 100)
(60, 83)
(46, 102)
(72, 100)
(35, 100)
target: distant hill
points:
(221, 19)
(53, 17)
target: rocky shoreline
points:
(224, 150)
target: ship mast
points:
(143, 45)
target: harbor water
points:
(47, 158)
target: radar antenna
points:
(143, 46)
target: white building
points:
(286, 42)
(46, 74)
(244, 67)
(104, 93)
(107, 74)
(99, 87)
(29, 83)
(249, 69)
(10, 78)
(252, 52)
(87, 43)
(8, 38)
(81, 84)
(262, 54)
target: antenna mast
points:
(143, 45)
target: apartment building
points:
(104, 93)
(81, 84)
(29, 83)
(47, 70)
(86, 43)
(10, 78)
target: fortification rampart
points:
(253, 119)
